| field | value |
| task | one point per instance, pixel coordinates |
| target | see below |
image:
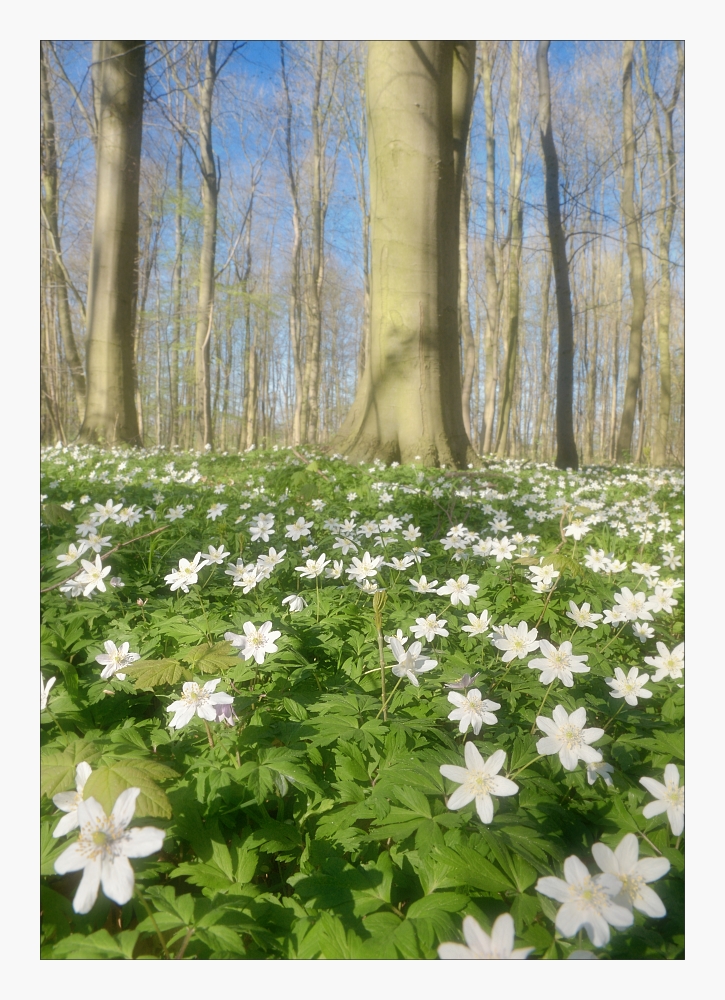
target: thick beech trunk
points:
(408, 406)
(110, 414)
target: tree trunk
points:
(666, 212)
(566, 453)
(636, 263)
(544, 387)
(514, 241)
(205, 305)
(464, 314)
(176, 297)
(295, 317)
(490, 346)
(50, 212)
(110, 415)
(313, 298)
(408, 407)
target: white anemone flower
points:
(410, 662)
(669, 798)
(480, 624)
(460, 590)
(628, 686)
(472, 710)
(187, 573)
(517, 642)
(115, 659)
(588, 902)
(566, 735)
(624, 863)
(583, 617)
(558, 664)
(103, 849)
(256, 642)
(428, 628)
(296, 602)
(92, 576)
(68, 802)
(199, 701)
(478, 780)
(45, 691)
(667, 664)
(500, 945)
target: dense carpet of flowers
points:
(297, 708)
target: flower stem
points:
(543, 702)
(317, 591)
(520, 769)
(653, 846)
(180, 953)
(152, 918)
(384, 709)
(616, 636)
(208, 734)
(381, 657)
(614, 717)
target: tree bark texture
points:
(566, 453)
(50, 212)
(516, 217)
(110, 414)
(204, 431)
(408, 407)
(666, 211)
(490, 345)
(636, 262)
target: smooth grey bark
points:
(464, 314)
(176, 297)
(665, 214)
(295, 299)
(636, 261)
(516, 216)
(50, 217)
(408, 406)
(204, 431)
(110, 414)
(566, 453)
(490, 346)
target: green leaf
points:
(108, 781)
(450, 902)
(472, 869)
(54, 514)
(58, 767)
(206, 659)
(50, 848)
(99, 945)
(150, 674)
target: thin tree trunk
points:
(514, 241)
(566, 453)
(50, 212)
(665, 215)
(544, 387)
(490, 343)
(110, 414)
(176, 297)
(636, 262)
(464, 313)
(205, 305)
(313, 298)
